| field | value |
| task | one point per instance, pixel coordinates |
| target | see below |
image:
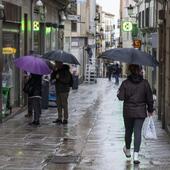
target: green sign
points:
(127, 26)
(134, 31)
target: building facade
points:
(26, 26)
(163, 8)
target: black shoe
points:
(57, 121)
(28, 115)
(136, 162)
(65, 121)
(35, 123)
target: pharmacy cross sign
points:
(127, 26)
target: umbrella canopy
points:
(131, 56)
(33, 64)
(62, 56)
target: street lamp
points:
(39, 3)
(101, 33)
(130, 10)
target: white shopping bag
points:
(149, 131)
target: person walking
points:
(33, 89)
(63, 82)
(116, 73)
(137, 95)
(89, 53)
(110, 71)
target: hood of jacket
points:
(135, 78)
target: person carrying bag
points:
(149, 131)
(136, 94)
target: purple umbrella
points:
(33, 64)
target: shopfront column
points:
(1, 65)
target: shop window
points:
(143, 19)
(12, 12)
(73, 26)
(147, 17)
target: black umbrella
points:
(131, 56)
(62, 56)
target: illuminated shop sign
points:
(8, 50)
(36, 25)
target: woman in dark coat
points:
(138, 103)
(33, 89)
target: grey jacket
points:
(137, 96)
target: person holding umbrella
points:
(63, 81)
(37, 66)
(33, 89)
(138, 103)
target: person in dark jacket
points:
(110, 71)
(138, 103)
(63, 79)
(90, 53)
(33, 89)
(116, 72)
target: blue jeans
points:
(116, 79)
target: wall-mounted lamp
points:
(62, 15)
(130, 11)
(102, 33)
(101, 30)
(39, 3)
(2, 13)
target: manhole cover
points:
(64, 159)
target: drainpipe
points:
(1, 66)
(32, 19)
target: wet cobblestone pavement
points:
(92, 140)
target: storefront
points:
(10, 51)
(10, 75)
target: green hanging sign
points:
(134, 31)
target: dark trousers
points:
(62, 104)
(109, 76)
(34, 106)
(116, 79)
(133, 125)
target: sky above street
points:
(111, 6)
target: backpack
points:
(28, 88)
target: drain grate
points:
(64, 159)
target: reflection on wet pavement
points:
(92, 140)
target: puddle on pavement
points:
(63, 159)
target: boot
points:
(135, 158)
(28, 115)
(126, 152)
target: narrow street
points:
(92, 140)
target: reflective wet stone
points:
(92, 140)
